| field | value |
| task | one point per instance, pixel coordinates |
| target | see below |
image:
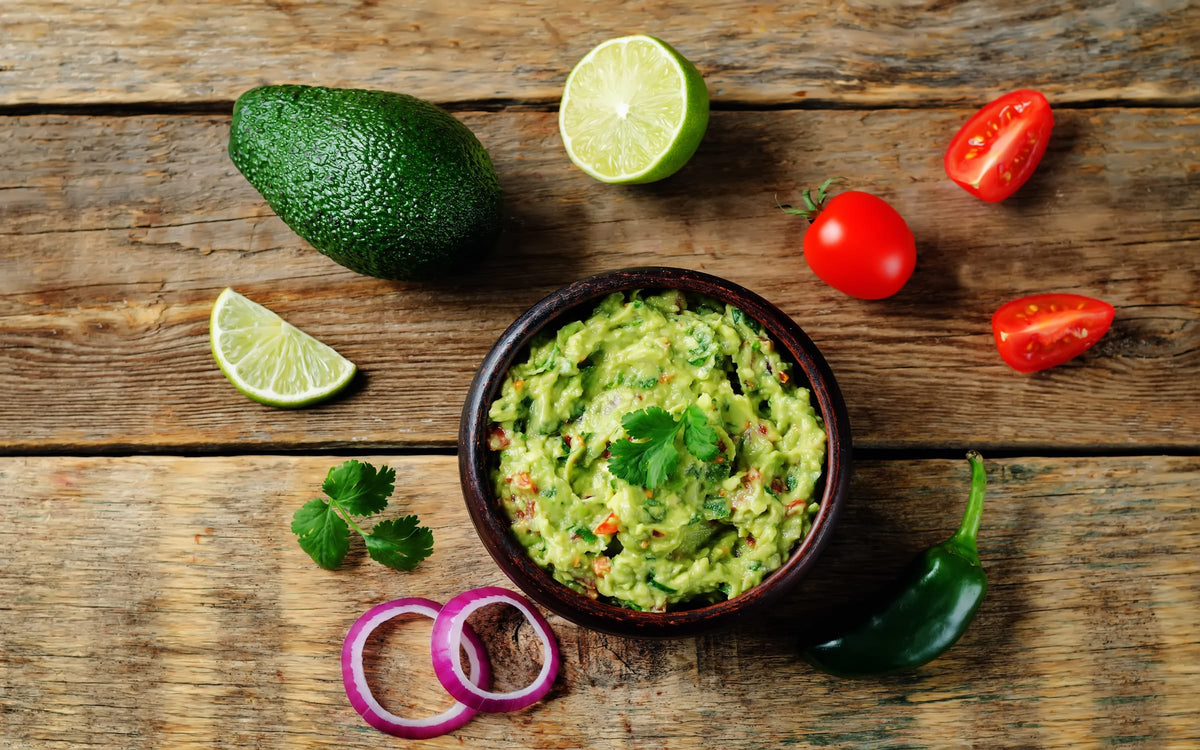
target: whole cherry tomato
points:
(1034, 333)
(857, 243)
(1000, 146)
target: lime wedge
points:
(270, 360)
(633, 110)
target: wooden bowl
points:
(575, 302)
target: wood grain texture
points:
(116, 234)
(864, 52)
(158, 600)
(153, 602)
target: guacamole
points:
(712, 528)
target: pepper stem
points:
(964, 538)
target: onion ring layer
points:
(355, 681)
(449, 630)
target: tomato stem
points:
(789, 209)
(808, 202)
(811, 207)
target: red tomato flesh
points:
(1034, 333)
(860, 245)
(998, 149)
(610, 525)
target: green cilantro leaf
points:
(359, 488)
(650, 461)
(652, 423)
(628, 461)
(700, 439)
(399, 544)
(322, 533)
(660, 586)
(585, 534)
(322, 526)
(647, 464)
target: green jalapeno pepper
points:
(923, 613)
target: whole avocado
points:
(385, 184)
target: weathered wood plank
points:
(867, 52)
(155, 602)
(116, 234)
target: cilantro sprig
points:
(650, 461)
(322, 525)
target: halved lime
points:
(633, 110)
(270, 360)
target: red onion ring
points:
(355, 680)
(448, 632)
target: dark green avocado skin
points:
(385, 184)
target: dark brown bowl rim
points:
(489, 519)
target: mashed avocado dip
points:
(712, 529)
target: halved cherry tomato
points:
(1000, 146)
(857, 243)
(1034, 333)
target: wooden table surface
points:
(151, 593)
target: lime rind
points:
(633, 110)
(270, 360)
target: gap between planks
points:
(225, 107)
